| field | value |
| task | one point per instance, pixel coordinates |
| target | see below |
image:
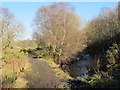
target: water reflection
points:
(81, 67)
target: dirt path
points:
(41, 75)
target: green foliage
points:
(13, 63)
(109, 78)
(93, 80)
(10, 54)
(100, 80)
(113, 55)
(9, 80)
(46, 52)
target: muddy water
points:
(81, 67)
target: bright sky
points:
(26, 11)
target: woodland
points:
(60, 40)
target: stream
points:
(80, 68)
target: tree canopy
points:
(58, 25)
(10, 28)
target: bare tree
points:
(58, 25)
(103, 30)
(105, 26)
(10, 29)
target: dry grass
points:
(21, 82)
(13, 70)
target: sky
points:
(25, 12)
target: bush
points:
(113, 55)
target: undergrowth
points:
(15, 66)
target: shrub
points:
(113, 55)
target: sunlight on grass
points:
(15, 66)
(21, 82)
(27, 68)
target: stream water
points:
(81, 67)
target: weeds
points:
(14, 63)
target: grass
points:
(21, 82)
(15, 66)
(12, 77)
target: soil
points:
(42, 75)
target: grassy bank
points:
(15, 66)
